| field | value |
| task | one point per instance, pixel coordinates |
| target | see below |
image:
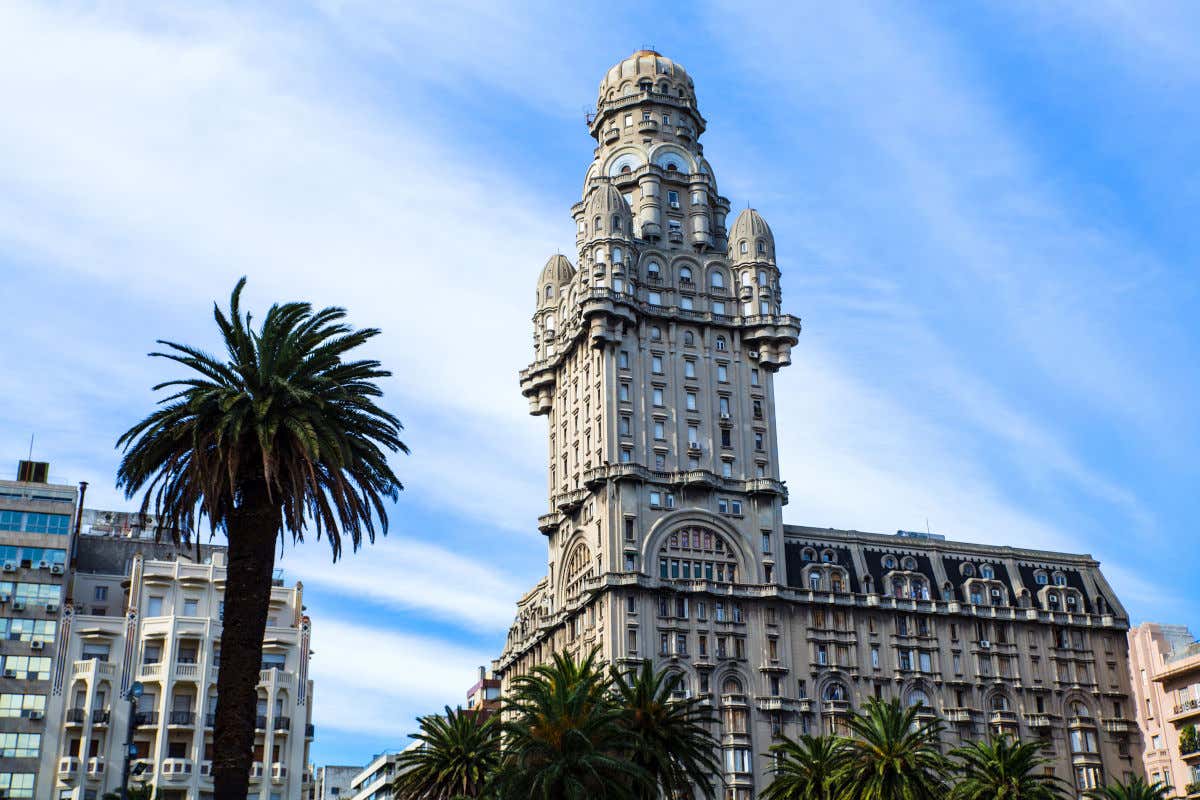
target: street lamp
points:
(133, 695)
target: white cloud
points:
(373, 680)
(407, 575)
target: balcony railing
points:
(260, 722)
(181, 718)
(310, 731)
(100, 716)
(76, 716)
(210, 719)
(283, 723)
(145, 718)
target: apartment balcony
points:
(260, 722)
(275, 677)
(1118, 727)
(278, 772)
(175, 769)
(210, 720)
(959, 716)
(145, 765)
(647, 126)
(1185, 710)
(187, 672)
(611, 135)
(1190, 756)
(100, 717)
(734, 700)
(181, 718)
(76, 716)
(145, 719)
(1003, 719)
(1037, 721)
(282, 724)
(93, 668)
(256, 772)
(68, 769)
(150, 672)
(205, 770)
(95, 767)
(310, 731)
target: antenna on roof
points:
(31, 446)
(927, 527)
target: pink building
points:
(1165, 664)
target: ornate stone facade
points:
(654, 362)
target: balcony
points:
(1118, 727)
(278, 772)
(145, 719)
(186, 718)
(93, 668)
(611, 135)
(210, 720)
(256, 771)
(1037, 721)
(1190, 708)
(837, 707)
(647, 126)
(175, 769)
(260, 722)
(100, 716)
(283, 723)
(1003, 719)
(276, 676)
(144, 766)
(150, 672)
(95, 767)
(187, 672)
(205, 769)
(76, 716)
(959, 716)
(68, 768)
(310, 731)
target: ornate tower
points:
(653, 363)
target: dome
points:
(557, 273)
(666, 76)
(608, 206)
(750, 238)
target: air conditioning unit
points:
(36, 715)
(10, 566)
(37, 644)
(984, 644)
(753, 354)
(18, 606)
(10, 673)
(52, 607)
(695, 446)
(43, 565)
(4, 598)
(724, 415)
(56, 569)
(675, 204)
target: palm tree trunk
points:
(253, 530)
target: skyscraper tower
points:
(653, 364)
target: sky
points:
(985, 213)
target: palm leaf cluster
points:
(570, 730)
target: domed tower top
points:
(750, 239)
(647, 71)
(606, 214)
(556, 274)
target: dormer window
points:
(987, 571)
(1041, 578)
(616, 223)
(889, 562)
(762, 248)
(1060, 579)
(743, 247)
(596, 226)
(549, 291)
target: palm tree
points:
(564, 737)
(454, 758)
(892, 756)
(1003, 768)
(668, 738)
(1136, 789)
(804, 769)
(280, 434)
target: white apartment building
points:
(132, 617)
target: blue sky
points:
(985, 214)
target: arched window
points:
(617, 255)
(653, 271)
(809, 554)
(762, 277)
(1052, 598)
(999, 702)
(747, 278)
(743, 247)
(835, 691)
(1060, 579)
(685, 274)
(655, 333)
(717, 280)
(720, 342)
(697, 554)
(838, 581)
(731, 685)
(828, 557)
(917, 697)
(1080, 711)
(579, 568)
(910, 563)
(814, 581)
(549, 291)
(672, 166)
(889, 562)
(987, 571)
(550, 323)
(596, 226)
(1041, 578)
(762, 247)
(616, 222)
(968, 570)
(689, 338)
(919, 590)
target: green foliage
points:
(135, 791)
(1189, 742)
(666, 737)
(283, 410)
(804, 769)
(1004, 769)
(891, 756)
(457, 754)
(1136, 789)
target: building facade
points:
(654, 361)
(374, 781)
(332, 782)
(1164, 662)
(37, 521)
(146, 611)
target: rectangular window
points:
(754, 377)
(624, 426)
(693, 434)
(722, 373)
(758, 440)
(673, 198)
(623, 359)
(623, 392)
(689, 368)
(726, 437)
(875, 657)
(723, 406)
(654, 298)
(626, 456)
(718, 307)
(660, 430)
(191, 607)
(656, 365)
(687, 303)
(154, 606)
(727, 469)
(628, 120)
(766, 542)
(664, 644)
(926, 662)
(822, 654)
(658, 397)
(101, 592)
(690, 401)
(758, 410)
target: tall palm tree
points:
(564, 738)
(454, 758)
(669, 738)
(1136, 789)
(804, 769)
(280, 434)
(1004, 768)
(891, 756)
